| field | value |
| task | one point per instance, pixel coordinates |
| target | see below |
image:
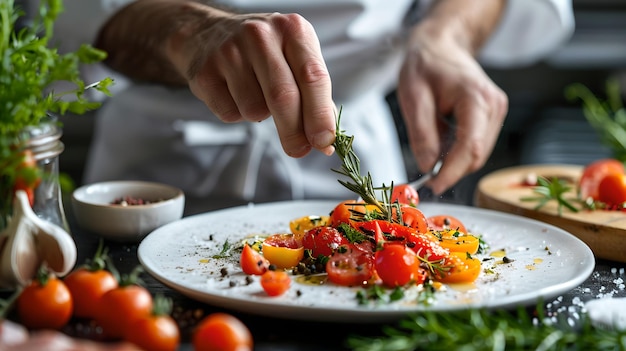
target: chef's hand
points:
(440, 77)
(248, 67)
(15, 337)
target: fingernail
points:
(323, 139)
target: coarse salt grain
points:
(607, 312)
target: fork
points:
(419, 182)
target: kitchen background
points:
(542, 125)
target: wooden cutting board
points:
(603, 231)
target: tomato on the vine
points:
(275, 283)
(46, 303)
(156, 331)
(593, 174)
(397, 265)
(444, 222)
(252, 262)
(349, 267)
(88, 283)
(120, 307)
(222, 332)
(405, 194)
(282, 250)
(612, 189)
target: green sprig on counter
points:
(478, 330)
(553, 189)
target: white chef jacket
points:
(157, 133)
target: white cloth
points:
(156, 133)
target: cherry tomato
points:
(299, 226)
(593, 174)
(414, 218)
(461, 268)
(349, 211)
(87, 288)
(350, 267)
(46, 303)
(282, 250)
(397, 265)
(424, 244)
(612, 189)
(121, 307)
(405, 194)
(156, 331)
(457, 241)
(275, 283)
(252, 262)
(323, 241)
(221, 332)
(443, 222)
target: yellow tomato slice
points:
(282, 250)
(457, 241)
(301, 225)
(459, 268)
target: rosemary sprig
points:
(478, 329)
(549, 190)
(351, 168)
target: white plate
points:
(546, 262)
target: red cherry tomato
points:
(351, 267)
(445, 222)
(87, 288)
(350, 210)
(46, 303)
(593, 174)
(275, 283)
(222, 332)
(252, 262)
(121, 307)
(414, 218)
(156, 331)
(612, 189)
(397, 265)
(323, 241)
(405, 194)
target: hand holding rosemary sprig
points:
(351, 168)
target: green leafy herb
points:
(553, 189)
(225, 252)
(350, 233)
(477, 329)
(607, 117)
(379, 294)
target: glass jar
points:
(44, 140)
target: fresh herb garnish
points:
(225, 252)
(350, 233)
(379, 294)
(553, 189)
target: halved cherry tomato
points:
(593, 174)
(397, 265)
(414, 218)
(323, 241)
(423, 244)
(252, 262)
(349, 267)
(156, 331)
(457, 241)
(405, 194)
(120, 307)
(46, 303)
(443, 222)
(282, 250)
(350, 210)
(612, 189)
(222, 332)
(459, 267)
(275, 283)
(87, 288)
(299, 226)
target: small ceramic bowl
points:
(126, 211)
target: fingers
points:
(272, 65)
(479, 120)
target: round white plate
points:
(187, 256)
